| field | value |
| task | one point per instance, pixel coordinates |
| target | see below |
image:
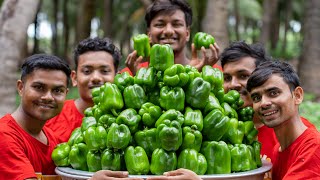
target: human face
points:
(94, 69)
(43, 93)
(236, 75)
(170, 28)
(274, 102)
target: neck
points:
(289, 131)
(180, 58)
(82, 105)
(26, 122)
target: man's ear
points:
(298, 94)
(74, 78)
(20, 87)
(188, 34)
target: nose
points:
(47, 96)
(235, 84)
(265, 102)
(168, 30)
(96, 77)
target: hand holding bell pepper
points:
(203, 39)
(142, 45)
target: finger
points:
(205, 57)
(139, 59)
(217, 47)
(215, 53)
(194, 54)
(119, 174)
(173, 173)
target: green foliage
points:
(310, 110)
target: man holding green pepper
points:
(168, 22)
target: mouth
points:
(269, 114)
(46, 106)
(168, 40)
(95, 86)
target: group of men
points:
(44, 119)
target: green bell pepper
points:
(88, 122)
(219, 93)
(134, 96)
(193, 117)
(123, 80)
(112, 160)
(118, 136)
(218, 157)
(215, 125)
(171, 115)
(154, 96)
(150, 113)
(146, 77)
(203, 39)
(256, 152)
(229, 111)
(94, 161)
(212, 75)
(235, 133)
(246, 114)
(161, 57)
(192, 138)
(192, 72)
(163, 161)
(250, 132)
(175, 76)
(97, 112)
(131, 118)
(172, 98)
(106, 120)
(88, 112)
(60, 154)
(169, 135)
(147, 139)
(95, 93)
(142, 45)
(213, 103)
(95, 138)
(197, 93)
(240, 158)
(76, 137)
(78, 156)
(137, 161)
(111, 98)
(233, 98)
(192, 160)
(253, 164)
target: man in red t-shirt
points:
(276, 94)
(238, 61)
(169, 22)
(25, 144)
(96, 61)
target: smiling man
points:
(276, 94)
(25, 144)
(169, 22)
(96, 61)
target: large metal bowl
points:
(67, 173)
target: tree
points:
(15, 17)
(309, 64)
(216, 21)
(85, 14)
(269, 15)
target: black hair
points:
(263, 72)
(168, 6)
(44, 61)
(240, 49)
(97, 44)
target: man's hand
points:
(177, 175)
(112, 175)
(132, 62)
(206, 60)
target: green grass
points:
(311, 111)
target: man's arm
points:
(206, 59)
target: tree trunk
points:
(85, 14)
(15, 17)
(288, 11)
(36, 31)
(54, 28)
(108, 18)
(215, 21)
(237, 18)
(309, 64)
(66, 31)
(269, 11)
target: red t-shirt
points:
(268, 138)
(146, 64)
(64, 123)
(301, 160)
(21, 154)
